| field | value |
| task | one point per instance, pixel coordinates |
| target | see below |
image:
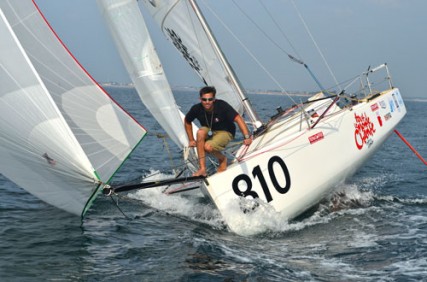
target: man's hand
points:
(247, 141)
(192, 143)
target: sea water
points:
(373, 229)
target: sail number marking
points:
(258, 175)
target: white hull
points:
(292, 167)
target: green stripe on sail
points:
(98, 189)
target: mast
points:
(256, 122)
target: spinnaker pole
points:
(107, 190)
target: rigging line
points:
(324, 113)
(256, 153)
(249, 52)
(116, 203)
(349, 82)
(297, 60)
(315, 44)
(280, 29)
(260, 29)
(166, 145)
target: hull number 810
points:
(245, 189)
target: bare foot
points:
(200, 172)
(222, 164)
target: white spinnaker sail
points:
(180, 25)
(60, 133)
(130, 34)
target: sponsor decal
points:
(395, 101)
(179, 44)
(364, 129)
(374, 107)
(387, 116)
(380, 121)
(316, 137)
(391, 103)
(399, 98)
(383, 104)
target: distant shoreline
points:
(249, 91)
(195, 89)
(116, 85)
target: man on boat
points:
(217, 120)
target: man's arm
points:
(244, 129)
(189, 130)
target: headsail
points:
(136, 49)
(61, 134)
(183, 24)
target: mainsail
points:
(61, 135)
(184, 26)
(136, 49)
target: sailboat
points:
(62, 137)
(297, 157)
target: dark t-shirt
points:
(223, 116)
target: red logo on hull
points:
(374, 107)
(364, 130)
(316, 137)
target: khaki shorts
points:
(219, 140)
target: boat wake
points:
(192, 204)
(260, 218)
(348, 196)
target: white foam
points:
(187, 204)
(348, 199)
(413, 267)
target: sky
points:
(351, 35)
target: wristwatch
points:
(247, 136)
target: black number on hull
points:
(257, 174)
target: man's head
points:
(207, 97)
(206, 90)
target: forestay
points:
(61, 135)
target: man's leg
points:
(200, 141)
(222, 160)
(215, 145)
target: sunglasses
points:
(207, 99)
